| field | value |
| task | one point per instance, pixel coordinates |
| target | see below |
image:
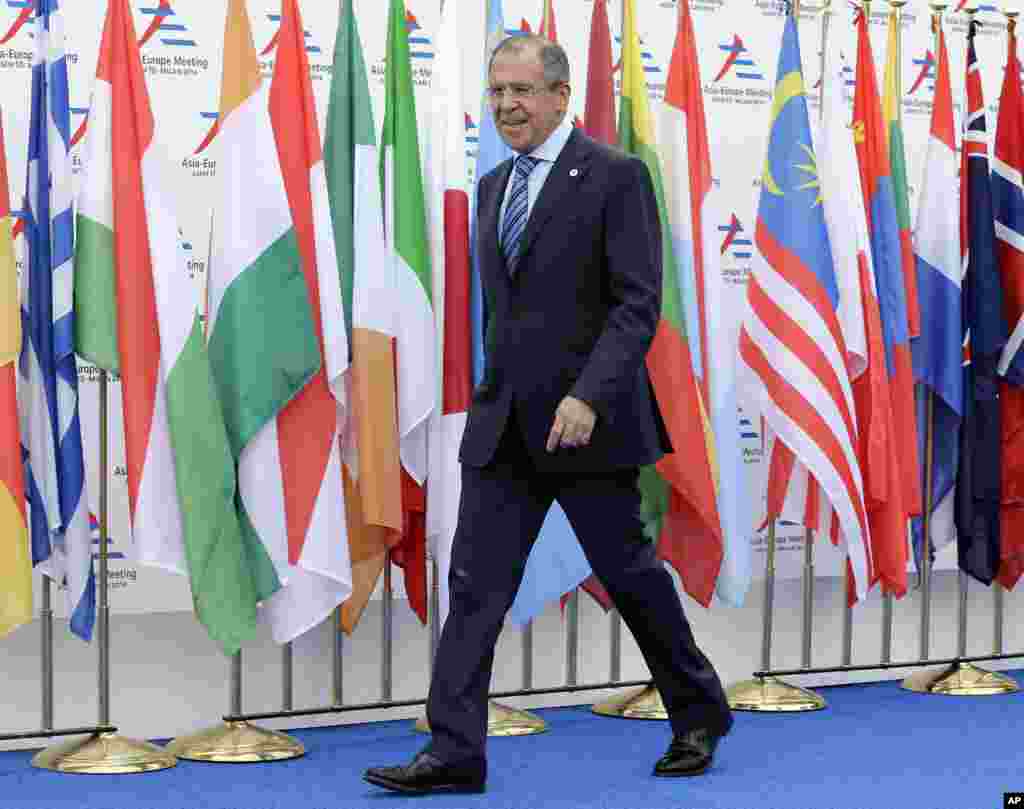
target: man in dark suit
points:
(571, 264)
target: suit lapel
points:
(567, 172)
(489, 216)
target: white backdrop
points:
(182, 58)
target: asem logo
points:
(472, 130)
(24, 10)
(740, 245)
(523, 29)
(311, 47)
(926, 67)
(80, 131)
(742, 66)
(984, 7)
(646, 57)
(419, 42)
(94, 530)
(165, 22)
(212, 133)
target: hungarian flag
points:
(15, 562)
(136, 317)
(891, 487)
(281, 378)
(893, 113)
(1008, 205)
(547, 27)
(373, 479)
(979, 477)
(938, 354)
(686, 159)
(793, 493)
(405, 227)
(679, 495)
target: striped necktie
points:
(516, 212)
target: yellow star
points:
(812, 169)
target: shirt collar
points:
(549, 150)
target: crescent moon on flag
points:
(791, 86)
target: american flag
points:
(50, 430)
(792, 352)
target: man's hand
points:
(574, 422)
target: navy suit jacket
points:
(579, 315)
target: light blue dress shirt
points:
(547, 153)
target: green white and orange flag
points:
(892, 111)
(373, 478)
(405, 227)
(277, 329)
(679, 497)
(135, 315)
(15, 563)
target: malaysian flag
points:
(979, 478)
(1008, 204)
(792, 352)
(50, 429)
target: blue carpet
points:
(875, 747)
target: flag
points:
(15, 561)
(181, 477)
(405, 227)
(984, 329)
(893, 113)
(282, 379)
(599, 108)
(938, 354)
(50, 427)
(793, 356)
(556, 565)
(449, 240)
(679, 498)
(685, 156)
(547, 27)
(1008, 205)
(891, 436)
(373, 481)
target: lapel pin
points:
(573, 172)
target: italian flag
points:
(706, 556)
(134, 317)
(405, 227)
(277, 329)
(15, 563)
(679, 497)
(373, 476)
(449, 239)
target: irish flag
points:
(15, 564)
(277, 329)
(372, 471)
(679, 496)
(136, 316)
(405, 227)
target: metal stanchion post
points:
(386, 650)
(572, 637)
(100, 753)
(46, 616)
(337, 658)
(287, 676)
(808, 596)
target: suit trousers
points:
(500, 514)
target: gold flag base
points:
(636, 703)
(502, 720)
(236, 743)
(770, 694)
(104, 754)
(961, 680)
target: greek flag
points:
(48, 408)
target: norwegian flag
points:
(1008, 203)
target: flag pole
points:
(46, 618)
(960, 678)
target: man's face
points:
(528, 110)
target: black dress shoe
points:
(690, 753)
(426, 775)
